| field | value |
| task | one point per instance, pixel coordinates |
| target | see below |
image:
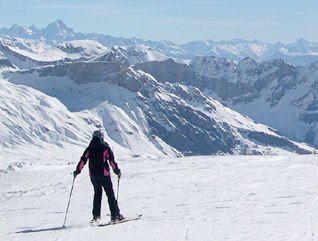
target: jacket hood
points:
(96, 142)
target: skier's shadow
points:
(41, 230)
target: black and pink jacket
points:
(99, 154)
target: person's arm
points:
(81, 163)
(112, 162)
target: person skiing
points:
(98, 153)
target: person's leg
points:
(98, 191)
(112, 202)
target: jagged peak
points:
(58, 23)
(302, 41)
(247, 61)
(212, 59)
(59, 27)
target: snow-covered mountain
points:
(135, 109)
(28, 53)
(170, 109)
(32, 118)
(235, 49)
(273, 92)
(131, 55)
(55, 31)
(300, 52)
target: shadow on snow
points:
(41, 230)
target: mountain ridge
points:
(301, 52)
(170, 104)
(180, 118)
(273, 92)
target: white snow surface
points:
(37, 50)
(194, 198)
(30, 116)
(86, 48)
(140, 53)
(41, 50)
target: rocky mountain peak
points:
(58, 31)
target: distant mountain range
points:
(301, 52)
(139, 114)
(58, 86)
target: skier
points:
(98, 152)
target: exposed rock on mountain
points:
(183, 117)
(273, 92)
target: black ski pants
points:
(99, 183)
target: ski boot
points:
(95, 219)
(117, 218)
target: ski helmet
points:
(99, 134)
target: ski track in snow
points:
(194, 198)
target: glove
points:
(76, 172)
(118, 173)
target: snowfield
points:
(192, 198)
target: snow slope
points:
(30, 117)
(26, 53)
(239, 198)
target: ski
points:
(102, 224)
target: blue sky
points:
(178, 21)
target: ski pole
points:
(117, 188)
(68, 204)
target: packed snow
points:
(193, 198)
